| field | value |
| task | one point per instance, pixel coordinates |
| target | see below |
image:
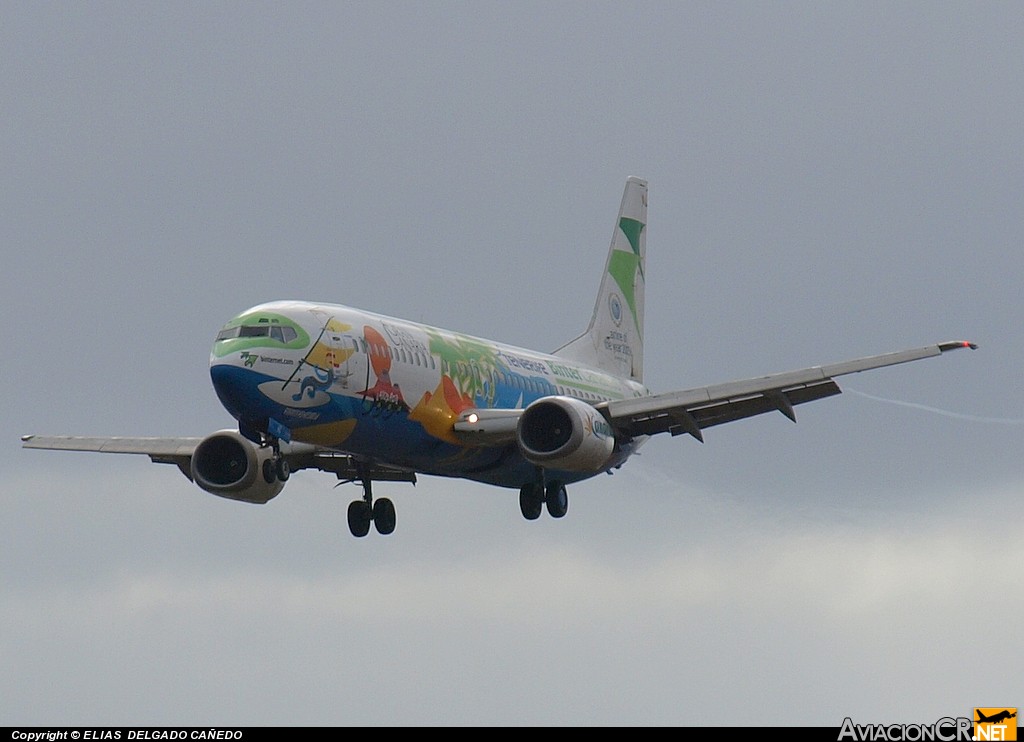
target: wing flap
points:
(727, 410)
(348, 468)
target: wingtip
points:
(957, 344)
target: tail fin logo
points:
(995, 724)
(615, 309)
(624, 266)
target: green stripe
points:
(632, 229)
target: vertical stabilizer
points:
(614, 341)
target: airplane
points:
(372, 398)
(1003, 715)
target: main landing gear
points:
(276, 467)
(362, 512)
(533, 497)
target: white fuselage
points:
(387, 389)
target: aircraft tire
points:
(557, 500)
(282, 469)
(269, 471)
(359, 518)
(384, 516)
(531, 501)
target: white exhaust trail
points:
(938, 411)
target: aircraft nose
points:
(232, 390)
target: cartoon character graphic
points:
(328, 359)
(320, 379)
(384, 396)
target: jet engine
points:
(565, 433)
(229, 465)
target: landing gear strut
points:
(362, 512)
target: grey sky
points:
(827, 181)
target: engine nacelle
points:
(565, 433)
(229, 465)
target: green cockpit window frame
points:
(261, 330)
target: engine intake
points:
(229, 465)
(565, 433)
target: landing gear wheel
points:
(359, 516)
(384, 516)
(269, 471)
(557, 500)
(282, 469)
(531, 500)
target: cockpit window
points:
(283, 334)
(276, 332)
(243, 331)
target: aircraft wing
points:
(178, 451)
(688, 411)
(692, 410)
(161, 450)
